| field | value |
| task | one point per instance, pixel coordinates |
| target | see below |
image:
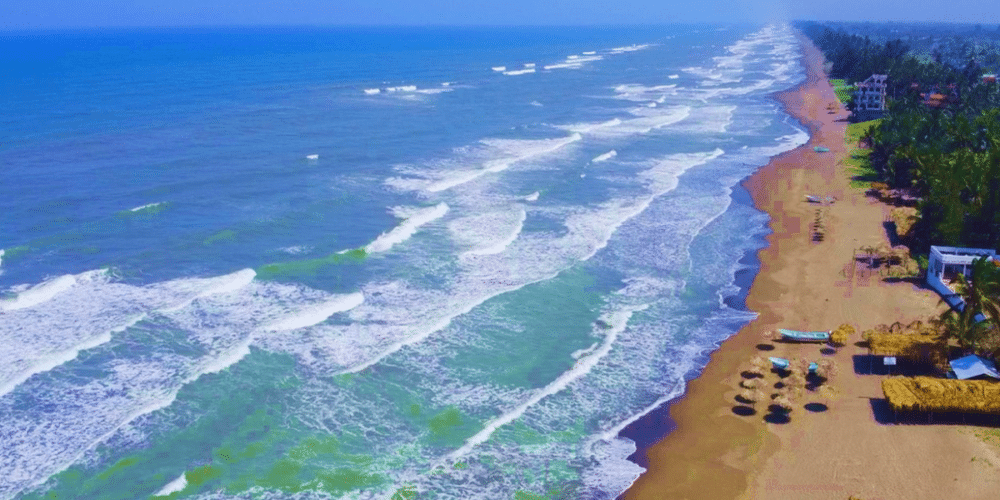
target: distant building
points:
(941, 96)
(869, 97)
(989, 78)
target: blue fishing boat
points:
(798, 336)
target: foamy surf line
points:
(318, 313)
(227, 284)
(503, 244)
(159, 384)
(145, 207)
(47, 361)
(662, 178)
(408, 228)
(52, 360)
(605, 157)
(173, 486)
(501, 154)
(39, 293)
(619, 321)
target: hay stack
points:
(923, 345)
(942, 395)
(842, 335)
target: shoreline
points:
(657, 426)
(709, 451)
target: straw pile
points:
(905, 218)
(841, 335)
(918, 342)
(942, 395)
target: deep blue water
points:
(363, 262)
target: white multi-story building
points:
(869, 95)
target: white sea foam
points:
(532, 197)
(47, 362)
(417, 335)
(589, 53)
(373, 91)
(573, 62)
(39, 293)
(312, 157)
(629, 48)
(785, 143)
(226, 359)
(648, 119)
(402, 88)
(519, 72)
(584, 128)
(673, 77)
(595, 227)
(495, 155)
(618, 321)
(529, 65)
(318, 313)
(295, 250)
(582, 352)
(230, 283)
(130, 387)
(708, 120)
(215, 286)
(536, 103)
(495, 247)
(413, 220)
(604, 157)
(638, 93)
(173, 486)
(439, 90)
(145, 207)
(499, 68)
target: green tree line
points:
(947, 157)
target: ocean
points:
(448, 263)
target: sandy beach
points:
(852, 448)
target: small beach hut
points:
(973, 366)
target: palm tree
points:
(981, 292)
(963, 327)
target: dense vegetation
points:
(944, 158)
(939, 156)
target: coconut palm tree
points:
(963, 327)
(981, 292)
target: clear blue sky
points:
(49, 14)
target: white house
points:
(944, 264)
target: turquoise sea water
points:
(368, 263)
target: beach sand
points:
(854, 447)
